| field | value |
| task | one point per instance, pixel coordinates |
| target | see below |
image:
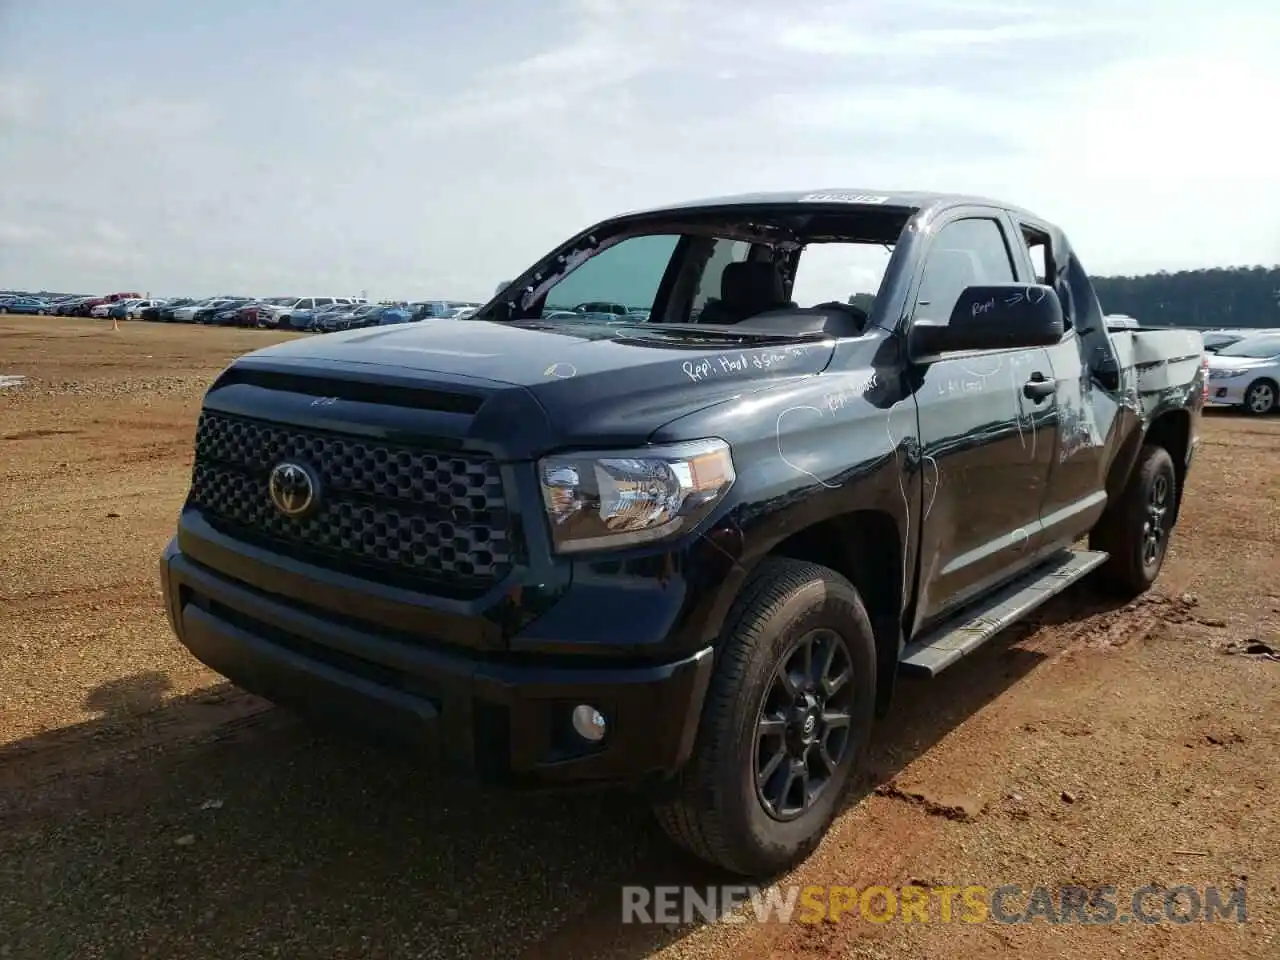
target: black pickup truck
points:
(691, 553)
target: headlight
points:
(618, 498)
(1226, 374)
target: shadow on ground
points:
(217, 827)
(129, 696)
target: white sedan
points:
(136, 307)
(1247, 374)
(100, 310)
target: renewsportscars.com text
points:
(1010, 904)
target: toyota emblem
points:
(293, 489)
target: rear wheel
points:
(1260, 398)
(786, 722)
(1135, 529)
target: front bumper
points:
(1228, 393)
(501, 718)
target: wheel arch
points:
(1172, 431)
(865, 547)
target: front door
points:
(987, 431)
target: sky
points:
(410, 150)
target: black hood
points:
(598, 382)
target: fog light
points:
(588, 722)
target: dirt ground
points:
(147, 809)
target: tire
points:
(1260, 398)
(716, 810)
(1135, 530)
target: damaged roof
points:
(902, 199)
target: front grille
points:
(399, 513)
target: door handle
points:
(1039, 387)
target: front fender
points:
(821, 448)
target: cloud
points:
(281, 162)
(18, 234)
(19, 101)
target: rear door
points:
(986, 445)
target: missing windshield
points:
(780, 272)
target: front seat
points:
(746, 288)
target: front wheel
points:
(1260, 398)
(786, 722)
(1135, 530)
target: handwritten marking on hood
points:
(561, 371)
(736, 364)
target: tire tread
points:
(693, 817)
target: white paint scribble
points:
(906, 501)
(782, 455)
(1017, 406)
(561, 370)
(933, 489)
(736, 364)
(976, 382)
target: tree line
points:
(1209, 298)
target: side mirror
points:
(1000, 316)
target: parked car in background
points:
(166, 313)
(29, 305)
(116, 297)
(100, 310)
(283, 311)
(1247, 374)
(325, 318)
(438, 309)
(135, 311)
(269, 309)
(187, 313)
(85, 307)
(364, 315)
(120, 310)
(297, 320)
(221, 315)
(598, 306)
(394, 314)
(1216, 340)
(207, 312)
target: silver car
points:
(1247, 374)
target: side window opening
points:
(835, 272)
(965, 253)
(1038, 246)
(1042, 262)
